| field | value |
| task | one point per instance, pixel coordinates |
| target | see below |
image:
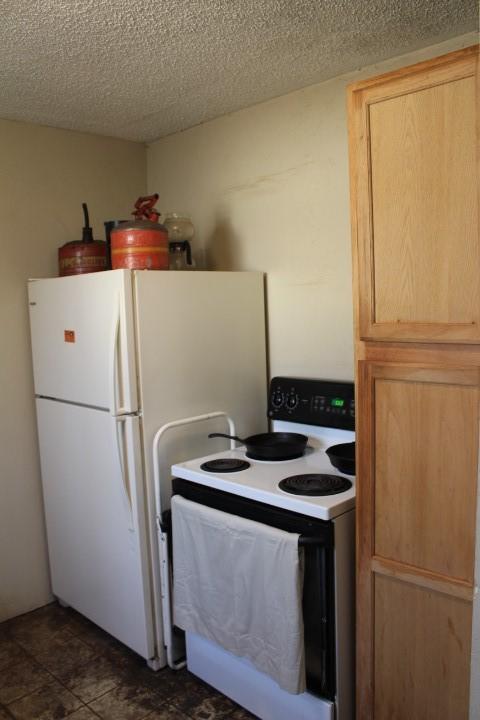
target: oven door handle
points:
(324, 630)
(304, 540)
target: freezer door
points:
(83, 340)
(94, 508)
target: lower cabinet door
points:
(417, 476)
(421, 652)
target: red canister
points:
(82, 256)
(141, 244)
(77, 257)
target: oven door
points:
(319, 582)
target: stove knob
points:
(292, 402)
(277, 399)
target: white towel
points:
(239, 584)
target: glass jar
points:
(179, 227)
(180, 231)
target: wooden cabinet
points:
(422, 651)
(416, 506)
(416, 250)
(423, 466)
(415, 202)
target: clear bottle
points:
(180, 232)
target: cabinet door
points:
(416, 504)
(413, 149)
(422, 652)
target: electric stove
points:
(322, 410)
(325, 520)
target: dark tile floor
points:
(55, 664)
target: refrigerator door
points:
(201, 348)
(83, 340)
(93, 494)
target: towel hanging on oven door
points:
(239, 583)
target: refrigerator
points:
(117, 355)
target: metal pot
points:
(271, 446)
(342, 457)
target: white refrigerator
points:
(117, 355)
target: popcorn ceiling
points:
(140, 70)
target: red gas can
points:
(141, 244)
(82, 256)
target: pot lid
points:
(139, 225)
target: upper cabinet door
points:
(413, 152)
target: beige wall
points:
(45, 174)
(267, 189)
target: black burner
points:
(225, 465)
(315, 484)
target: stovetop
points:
(260, 481)
(321, 409)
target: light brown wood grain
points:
(364, 545)
(414, 159)
(422, 653)
(425, 232)
(425, 472)
(422, 372)
(423, 578)
(443, 355)
(410, 77)
(415, 227)
(415, 513)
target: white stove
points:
(325, 412)
(260, 481)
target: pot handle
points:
(188, 250)
(224, 435)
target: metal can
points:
(79, 257)
(139, 245)
(82, 256)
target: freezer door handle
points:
(114, 410)
(121, 381)
(126, 450)
(120, 390)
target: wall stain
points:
(267, 180)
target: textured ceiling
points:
(140, 69)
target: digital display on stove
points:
(337, 402)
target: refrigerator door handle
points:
(114, 410)
(125, 450)
(118, 370)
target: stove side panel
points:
(345, 613)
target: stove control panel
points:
(330, 403)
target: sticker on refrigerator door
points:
(69, 336)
